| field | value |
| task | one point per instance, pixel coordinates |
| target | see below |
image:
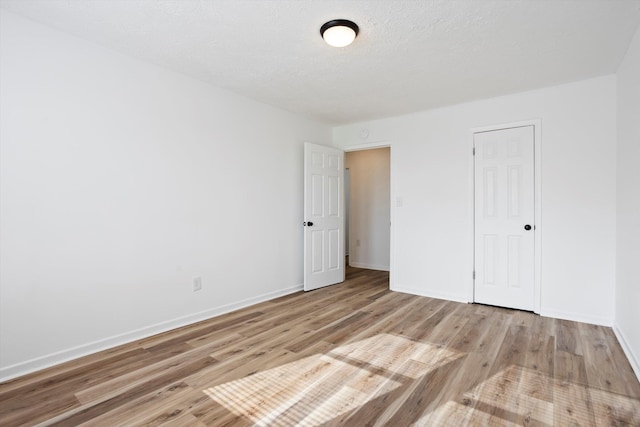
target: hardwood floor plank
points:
(351, 354)
(241, 366)
(27, 383)
(624, 369)
(150, 409)
(512, 349)
(541, 349)
(92, 411)
(299, 344)
(185, 334)
(186, 421)
(458, 405)
(399, 322)
(568, 337)
(133, 379)
(178, 412)
(611, 409)
(572, 405)
(30, 413)
(599, 366)
(570, 368)
(70, 378)
(411, 404)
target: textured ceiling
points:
(410, 55)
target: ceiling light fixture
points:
(339, 32)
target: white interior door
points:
(323, 216)
(504, 217)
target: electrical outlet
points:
(197, 284)
(358, 242)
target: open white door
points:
(323, 216)
(505, 217)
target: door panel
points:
(504, 205)
(323, 216)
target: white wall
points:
(120, 182)
(627, 320)
(369, 213)
(431, 176)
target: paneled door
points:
(504, 217)
(324, 257)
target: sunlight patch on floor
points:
(319, 388)
(515, 395)
(616, 406)
(522, 396)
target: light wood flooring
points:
(352, 354)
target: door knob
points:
(307, 224)
(527, 227)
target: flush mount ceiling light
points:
(339, 32)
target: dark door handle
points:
(308, 224)
(527, 227)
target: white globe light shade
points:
(339, 36)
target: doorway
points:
(369, 212)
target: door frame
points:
(373, 146)
(537, 191)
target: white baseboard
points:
(428, 293)
(66, 355)
(577, 317)
(633, 359)
(357, 264)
